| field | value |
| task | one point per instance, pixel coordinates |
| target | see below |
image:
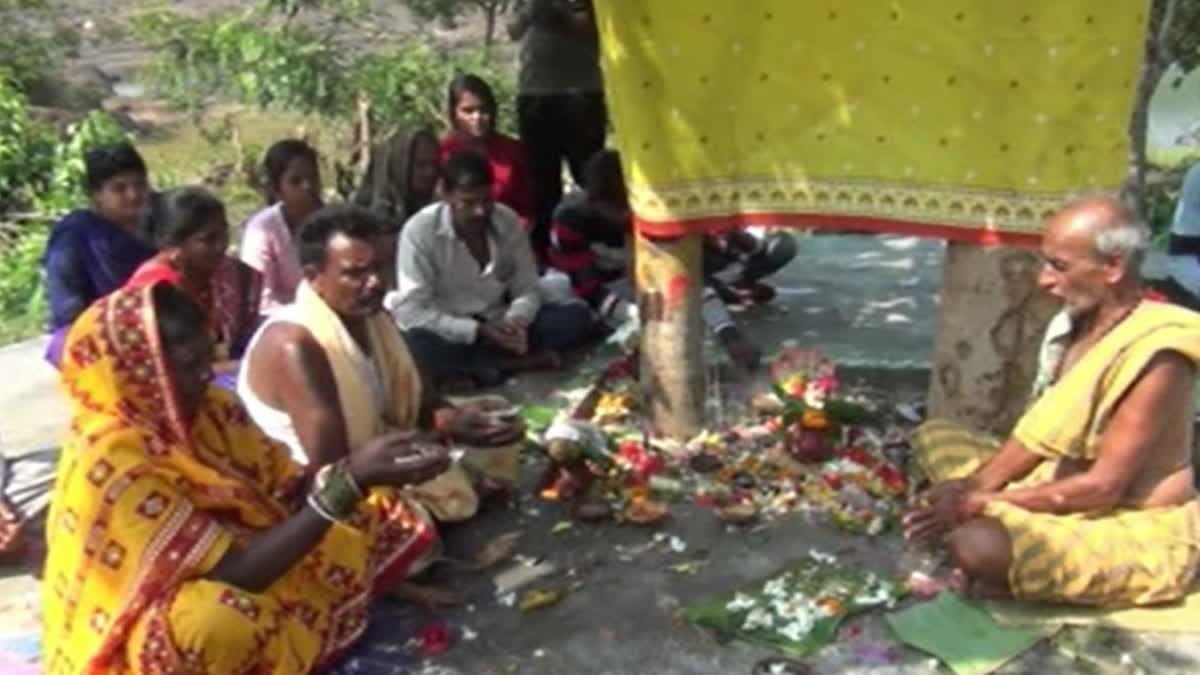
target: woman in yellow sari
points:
(182, 540)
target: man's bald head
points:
(1109, 227)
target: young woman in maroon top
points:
(472, 116)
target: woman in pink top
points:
(293, 192)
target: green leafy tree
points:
(1172, 39)
(451, 11)
(41, 177)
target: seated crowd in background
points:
(191, 231)
(293, 187)
(472, 112)
(589, 242)
(401, 179)
(467, 293)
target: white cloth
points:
(276, 423)
(440, 287)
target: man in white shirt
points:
(467, 294)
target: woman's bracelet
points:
(335, 491)
(315, 504)
(344, 466)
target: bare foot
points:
(429, 597)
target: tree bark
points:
(672, 353)
(989, 331)
(490, 10)
(1156, 60)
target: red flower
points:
(892, 477)
(860, 456)
(706, 500)
(833, 480)
(620, 368)
(639, 461)
(434, 639)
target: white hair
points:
(1120, 233)
(1127, 239)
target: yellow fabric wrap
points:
(971, 120)
(146, 503)
(1126, 557)
(1070, 416)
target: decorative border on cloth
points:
(956, 213)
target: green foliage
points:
(345, 8)
(41, 176)
(450, 12)
(26, 151)
(29, 57)
(294, 68)
(235, 58)
(407, 84)
(1182, 40)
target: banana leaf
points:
(815, 580)
(538, 417)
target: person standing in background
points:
(560, 99)
(1182, 285)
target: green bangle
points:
(335, 491)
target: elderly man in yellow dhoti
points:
(1091, 498)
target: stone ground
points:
(620, 614)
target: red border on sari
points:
(980, 236)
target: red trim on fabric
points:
(398, 569)
(391, 574)
(154, 271)
(707, 225)
(572, 261)
(568, 235)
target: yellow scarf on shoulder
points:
(366, 415)
(450, 496)
(1071, 415)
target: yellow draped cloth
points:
(379, 392)
(146, 503)
(968, 120)
(1124, 557)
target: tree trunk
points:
(672, 353)
(989, 331)
(490, 10)
(1155, 61)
